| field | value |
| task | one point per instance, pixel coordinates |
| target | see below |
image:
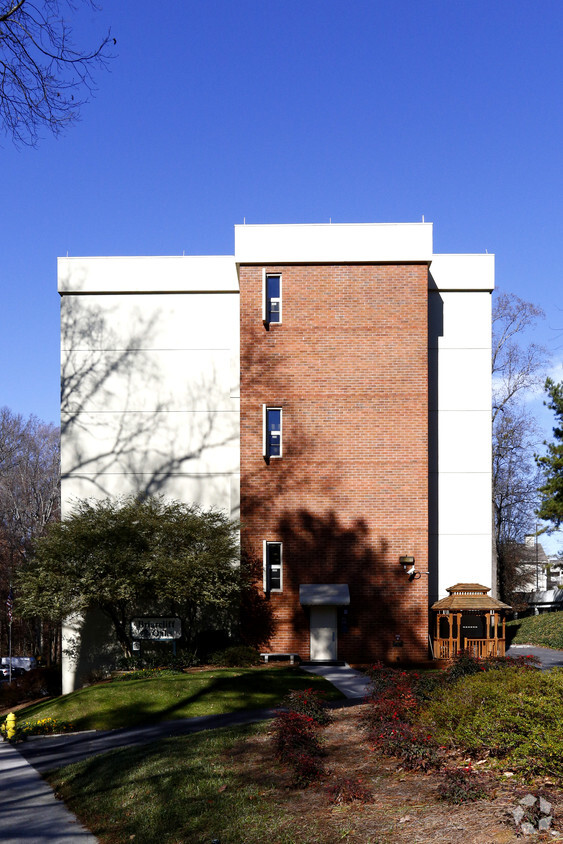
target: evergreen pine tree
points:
(551, 508)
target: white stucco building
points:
(150, 376)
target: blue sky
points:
(294, 111)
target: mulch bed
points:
(22, 705)
(405, 807)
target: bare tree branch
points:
(29, 478)
(518, 367)
(515, 368)
(44, 78)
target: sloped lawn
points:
(494, 725)
(167, 696)
(228, 785)
(545, 630)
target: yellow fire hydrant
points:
(10, 726)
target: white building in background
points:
(150, 379)
(460, 388)
(149, 362)
(150, 404)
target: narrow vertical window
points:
(272, 438)
(273, 566)
(271, 310)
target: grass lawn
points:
(228, 785)
(178, 790)
(128, 703)
(544, 630)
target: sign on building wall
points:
(161, 629)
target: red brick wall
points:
(348, 365)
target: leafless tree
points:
(44, 78)
(518, 367)
(29, 501)
(29, 481)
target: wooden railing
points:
(477, 648)
(443, 650)
(482, 648)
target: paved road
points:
(48, 752)
(548, 657)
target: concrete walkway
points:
(29, 811)
(353, 684)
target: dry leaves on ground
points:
(405, 807)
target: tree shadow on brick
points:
(386, 617)
(257, 623)
(349, 495)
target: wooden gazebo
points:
(469, 620)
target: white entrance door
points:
(324, 645)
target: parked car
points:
(16, 671)
(24, 662)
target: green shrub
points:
(382, 677)
(147, 673)
(408, 688)
(463, 785)
(392, 697)
(296, 742)
(428, 683)
(296, 735)
(391, 716)
(42, 727)
(415, 748)
(45, 727)
(308, 702)
(464, 665)
(157, 659)
(516, 715)
(237, 656)
(497, 662)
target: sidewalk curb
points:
(29, 810)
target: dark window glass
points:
(273, 562)
(274, 431)
(273, 298)
(274, 555)
(273, 286)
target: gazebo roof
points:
(469, 596)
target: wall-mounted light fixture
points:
(407, 562)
